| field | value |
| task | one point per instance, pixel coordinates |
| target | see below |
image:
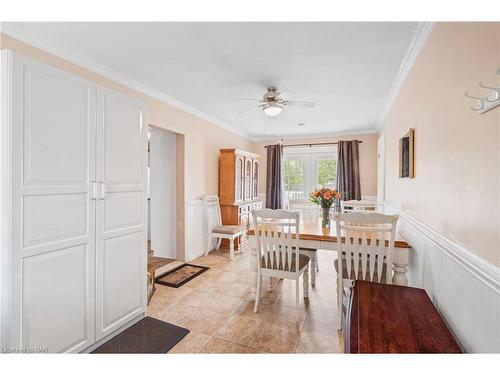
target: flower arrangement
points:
(324, 197)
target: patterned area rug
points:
(148, 335)
(180, 275)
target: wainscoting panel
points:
(196, 237)
(464, 288)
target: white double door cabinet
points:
(76, 268)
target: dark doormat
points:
(148, 335)
(180, 275)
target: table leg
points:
(313, 268)
(399, 277)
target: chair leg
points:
(207, 250)
(231, 248)
(317, 261)
(297, 293)
(257, 294)
(340, 295)
(306, 282)
(219, 242)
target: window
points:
(294, 178)
(308, 169)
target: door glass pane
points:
(327, 172)
(255, 180)
(239, 177)
(248, 179)
(294, 179)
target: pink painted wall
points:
(456, 190)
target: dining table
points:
(313, 235)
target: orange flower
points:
(327, 195)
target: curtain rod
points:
(312, 144)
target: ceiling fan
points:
(274, 101)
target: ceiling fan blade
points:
(251, 109)
(253, 100)
(298, 103)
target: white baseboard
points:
(464, 288)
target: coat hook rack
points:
(488, 101)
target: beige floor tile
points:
(218, 303)
(206, 322)
(287, 316)
(192, 343)
(246, 309)
(197, 298)
(276, 339)
(322, 324)
(178, 314)
(240, 329)
(269, 297)
(315, 343)
(225, 304)
(216, 345)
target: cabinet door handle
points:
(103, 190)
(94, 190)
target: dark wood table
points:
(394, 319)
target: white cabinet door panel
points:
(122, 280)
(54, 302)
(122, 139)
(52, 215)
(56, 118)
(68, 217)
(121, 211)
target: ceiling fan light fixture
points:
(273, 109)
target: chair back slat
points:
(308, 211)
(366, 243)
(277, 234)
(211, 208)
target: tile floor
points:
(217, 307)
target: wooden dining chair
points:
(216, 230)
(365, 251)
(309, 212)
(278, 254)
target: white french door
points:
(52, 214)
(308, 169)
(121, 211)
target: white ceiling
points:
(347, 69)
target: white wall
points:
(163, 192)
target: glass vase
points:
(325, 221)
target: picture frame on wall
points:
(407, 155)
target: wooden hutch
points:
(238, 187)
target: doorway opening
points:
(165, 188)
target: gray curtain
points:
(274, 181)
(348, 170)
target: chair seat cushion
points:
(228, 229)
(360, 271)
(303, 262)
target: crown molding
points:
(106, 72)
(417, 43)
(311, 136)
